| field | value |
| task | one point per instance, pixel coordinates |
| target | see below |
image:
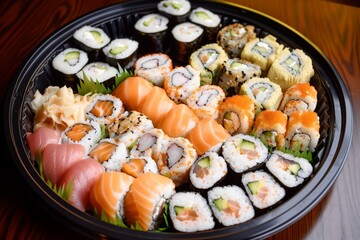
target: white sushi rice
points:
(152, 23)
(274, 191)
(129, 46)
(197, 203)
(211, 19)
(174, 7)
(71, 66)
(85, 36)
(186, 32)
(98, 71)
(285, 176)
(235, 194)
(241, 162)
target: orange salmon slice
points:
(103, 108)
(134, 167)
(103, 151)
(78, 131)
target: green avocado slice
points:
(221, 203)
(97, 36)
(118, 49)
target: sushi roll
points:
(176, 10)
(187, 37)
(104, 109)
(135, 166)
(179, 121)
(190, 212)
(121, 52)
(129, 127)
(100, 72)
(299, 97)
(232, 38)
(290, 67)
(108, 193)
(151, 32)
(266, 94)
(230, 205)
(262, 51)
(207, 135)
(181, 82)
(177, 159)
(244, 152)
(262, 189)
(236, 114)
(91, 40)
(210, 21)
(208, 61)
(153, 67)
(145, 201)
(110, 153)
(86, 133)
(270, 127)
(205, 101)
(289, 170)
(303, 131)
(69, 62)
(208, 170)
(235, 72)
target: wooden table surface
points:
(334, 26)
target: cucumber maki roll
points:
(121, 51)
(176, 10)
(210, 21)
(99, 71)
(208, 61)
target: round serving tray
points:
(334, 110)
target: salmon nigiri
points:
(145, 200)
(135, 166)
(108, 193)
(132, 91)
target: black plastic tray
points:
(334, 110)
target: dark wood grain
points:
(334, 26)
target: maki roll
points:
(230, 205)
(100, 72)
(303, 131)
(270, 127)
(290, 67)
(266, 94)
(187, 38)
(208, 20)
(153, 67)
(236, 114)
(151, 32)
(232, 38)
(289, 170)
(205, 101)
(244, 152)
(208, 61)
(181, 82)
(110, 153)
(69, 62)
(262, 51)
(189, 212)
(207, 170)
(235, 72)
(135, 166)
(262, 189)
(299, 97)
(176, 10)
(121, 52)
(91, 40)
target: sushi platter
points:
(185, 119)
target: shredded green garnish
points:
(117, 221)
(122, 75)
(91, 86)
(104, 133)
(295, 151)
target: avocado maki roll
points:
(121, 52)
(176, 10)
(210, 21)
(99, 71)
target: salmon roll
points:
(135, 166)
(104, 109)
(144, 203)
(108, 193)
(153, 67)
(181, 82)
(291, 67)
(179, 121)
(156, 105)
(177, 159)
(205, 101)
(132, 92)
(110, 153)
(303, 131)
(299, 97)
(262, 189)
(207, 135)
(236, 114)
(190, 212)
(270, 127)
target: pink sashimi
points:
(58, 158)
(82, 176)
(40, 138)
